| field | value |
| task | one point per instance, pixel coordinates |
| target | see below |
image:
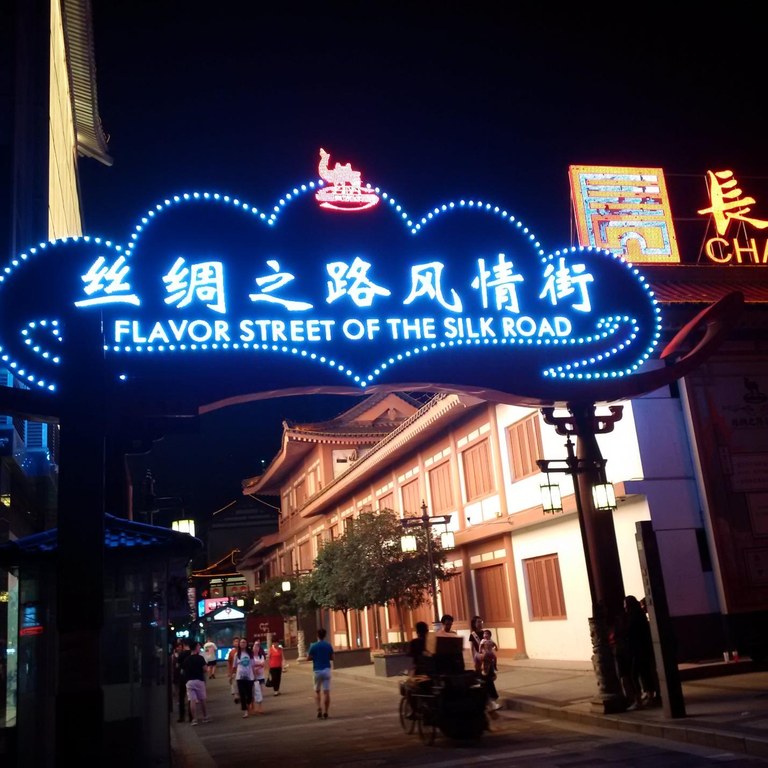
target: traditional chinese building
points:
(690, 458)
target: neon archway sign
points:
(331, 291)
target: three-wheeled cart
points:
(454, 704)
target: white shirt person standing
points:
(210, 650)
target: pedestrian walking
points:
(259, 675)
(210, 651)
(488, 676)
(244, 676)
(488, 667)
(180, 680)
(231, 669)
(421, 663)
(321, 654)
(276, 659)
(640, 648)
(475, 638)
(194, 668)
(622, 655)
(446, 626)
(449, 655)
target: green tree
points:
(366, 566)
(269, 598)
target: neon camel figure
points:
(340, 176)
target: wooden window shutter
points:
(441, 488)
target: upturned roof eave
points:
(298, 439)
(435, 415)
(77, 19)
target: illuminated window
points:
(524, 441)
(545, 588)
(478, 474)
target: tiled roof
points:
(258, 549)
(674, 292)
(120, 536)
(695, 284)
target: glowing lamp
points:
(184, 526)
(604, 497)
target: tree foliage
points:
(366, 566)
(270, 598)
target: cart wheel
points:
(407, 714)
(425, 722)
(462, 728)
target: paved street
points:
(364, 730)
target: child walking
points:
(488, 666)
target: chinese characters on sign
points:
(362, 296)
(202, 285)
(627, 211)
(728, 204)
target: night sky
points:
(432, 101)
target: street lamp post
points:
(289, 583)
(595, 505)
(408, 543)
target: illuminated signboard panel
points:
(302, 296)
(626, 211)
(735, 223)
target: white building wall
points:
(569, 638)
(669, 484)
(566, 639)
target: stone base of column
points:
(608, 704)
(610, 698)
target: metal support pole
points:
(587, 468)
(79, 701)
(430, 561)
(426, 521)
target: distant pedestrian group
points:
(249, 671)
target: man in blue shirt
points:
(321, 653)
